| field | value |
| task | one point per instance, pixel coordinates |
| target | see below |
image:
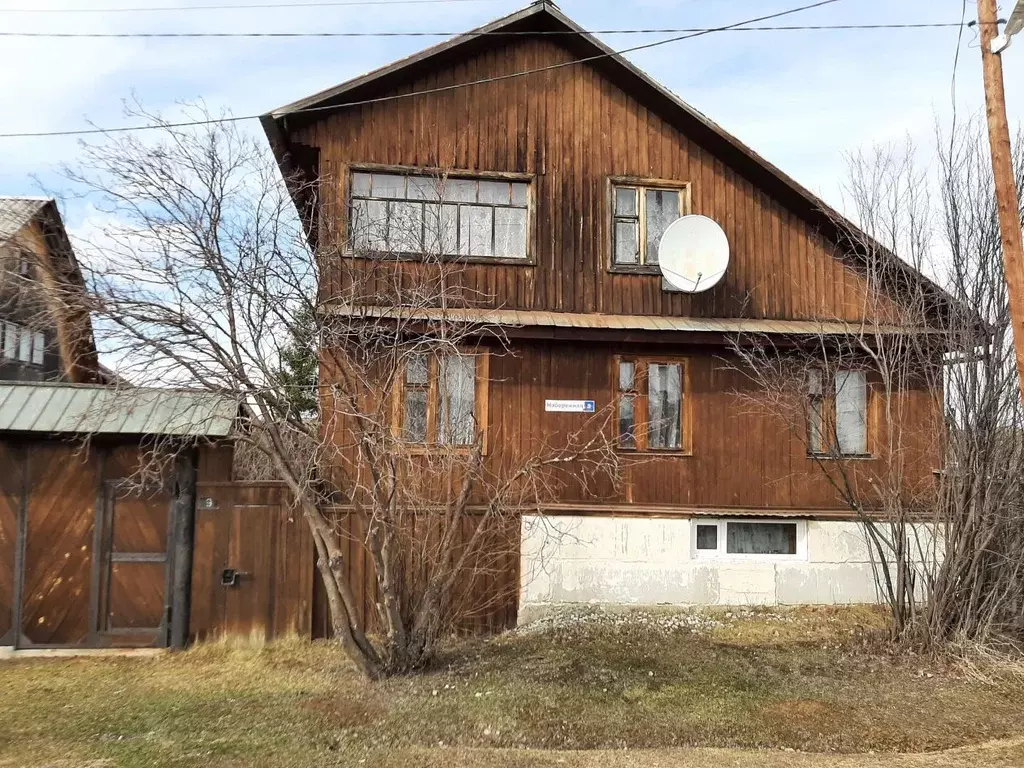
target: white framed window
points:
(405, 214)
(748, 539)
(23, 344)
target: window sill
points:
(419, 449)
(419, 257)
(664, 453)
(640, 269)
(842, 456)
(735, 558)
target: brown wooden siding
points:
(739, 456)
(11, 479)
(572, 129)
(487, 599)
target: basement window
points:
(418, 215)
(750, 539)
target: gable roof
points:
(544, 17)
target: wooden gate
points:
(85, 559)
(135, 565)
(252, 573)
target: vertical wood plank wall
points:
(740, 455)
(572, 129)
(252, 530)
(11, 479)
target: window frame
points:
(830, 415)
(721, 554)
(642, 184)
(448, 173)
(641, 393)
(480, 409)
(14, 353)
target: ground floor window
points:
(749, 539)
(441, 398)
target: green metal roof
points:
(99, 410)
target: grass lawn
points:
(647, 689)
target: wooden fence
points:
(249, 529)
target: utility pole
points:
(1002, 171)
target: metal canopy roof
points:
(580, 320)
(98, 410)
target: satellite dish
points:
(693, 254)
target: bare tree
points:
(203, 277)
(939, 500)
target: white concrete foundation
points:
(653, 560)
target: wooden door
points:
(136, 566)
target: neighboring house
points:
(45, 330)
(557, 187)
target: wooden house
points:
(563, 164)
(45, 330)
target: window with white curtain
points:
(439, 399)
(406, 214)
(837, 413)
(650, 405)
(23, 344)
(851, 412)
(749, 539)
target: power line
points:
(513, 33)
(440, 89)
(246, 6)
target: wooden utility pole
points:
(1002, 172)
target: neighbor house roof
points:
(16, 212)
(102, 410)
(544, 17)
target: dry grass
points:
(611, 692)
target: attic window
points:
(641, 212)
(421, 215)
(23, 344)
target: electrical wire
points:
(512, 33)
(239, 6)
(413, 94)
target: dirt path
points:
(1008, 753)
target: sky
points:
(802, 99)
